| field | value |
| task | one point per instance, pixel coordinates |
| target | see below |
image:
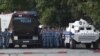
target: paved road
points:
(49, 52)
(80, 51)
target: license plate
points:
(25, 41)
(35, 38)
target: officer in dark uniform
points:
(57, 38)
(6, 35)
(43, 34)
(60, 38)
(53, 36)
(50, 37)
(1, 39)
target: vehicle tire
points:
(67, 45)
(72, 44)
(20, 46)
(95, 45)
(11, 45)
(88, 45)
(29, 46)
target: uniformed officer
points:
(43, 34)
(57, 38)
(51, 37)
(60, 38)
(6, 36)
(48, 38)
(1, 39)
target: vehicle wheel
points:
(72, 44)
(29, 46)
(11, 45)
(67, 45)
(95, 45)
(88, 45)
(20, 46)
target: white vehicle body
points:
(5, 21)
(82, 31)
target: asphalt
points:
(50, 52)
(79, 51)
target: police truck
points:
(23, 26)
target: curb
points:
(61, 52)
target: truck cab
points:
(25, 28)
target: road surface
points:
(49, 52)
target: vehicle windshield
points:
(88, 28)
(22, 19)
(81, 28)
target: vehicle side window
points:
(80, 23)
(81, 28)
(72, 26)
(88, 28)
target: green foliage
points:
(4, 5)
(92, 9)
(47, 16)
(57, 13)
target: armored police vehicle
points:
(81, 32)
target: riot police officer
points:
(43, 35)
(60, 38)
(1, 39)
(6, 35)
(53, 37)
(48, 38)
(57, 38)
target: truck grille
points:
(25, 37)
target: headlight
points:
(15, 37)
(76, 28)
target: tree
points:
(54, 12)
(92, 9)
(5, 5)
(57, 12)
